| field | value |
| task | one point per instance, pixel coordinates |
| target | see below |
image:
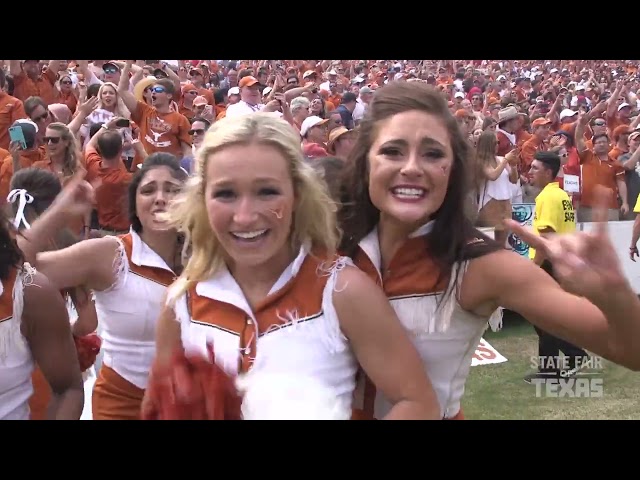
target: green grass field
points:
(498, 392)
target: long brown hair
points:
(71, 154)
(453, 237)
(485, 155)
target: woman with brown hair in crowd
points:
(494, 177)
(128, 275)
(64, 160)
(404, 224)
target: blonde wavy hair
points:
(314, 219)
(120, 109)
(72, 154)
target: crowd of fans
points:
(106, 116)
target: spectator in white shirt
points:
(250, 98)
(365, 96)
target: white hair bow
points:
(24, 198)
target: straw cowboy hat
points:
(141, 86)
(335, 134)
(507, 114)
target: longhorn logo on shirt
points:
(157, 128)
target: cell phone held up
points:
(16, 135)
(123, 123)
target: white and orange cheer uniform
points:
(16, 361)
(445, 335)
(128, 312)
(294, 331)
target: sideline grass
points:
(498, 392)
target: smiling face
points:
(410, 163)
(54, 143)
(250, 203)
(66, 84)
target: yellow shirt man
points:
(636, 209)
(554, 211)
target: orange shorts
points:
(115, 398)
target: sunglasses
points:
(110, 70)
(158, 89)
(53, 140)
(599, 124)
(198, 131)
(66, 82)
(193, 73)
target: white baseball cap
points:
(311, 122)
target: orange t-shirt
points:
(25, 87)
(615, 121)
(529, 149)
(615, 152)
(69, 99)
(161, 132)
(111, 193)
(598, 172)
(11, 109)
(27, 159)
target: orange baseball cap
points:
(247, 82)
(540, 122)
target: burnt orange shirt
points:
(335, 99)
(615, 121)
(42, 86)
(522, 136)
(69, 99)
(529, 149)
(615, 152)
(187, 112)
(11, 109)
(161, 132)
(27, 159)
(111, 192)
(208, 94)
(599, 172)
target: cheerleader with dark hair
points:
(34, 329)
(33, 190)
(128, 275)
